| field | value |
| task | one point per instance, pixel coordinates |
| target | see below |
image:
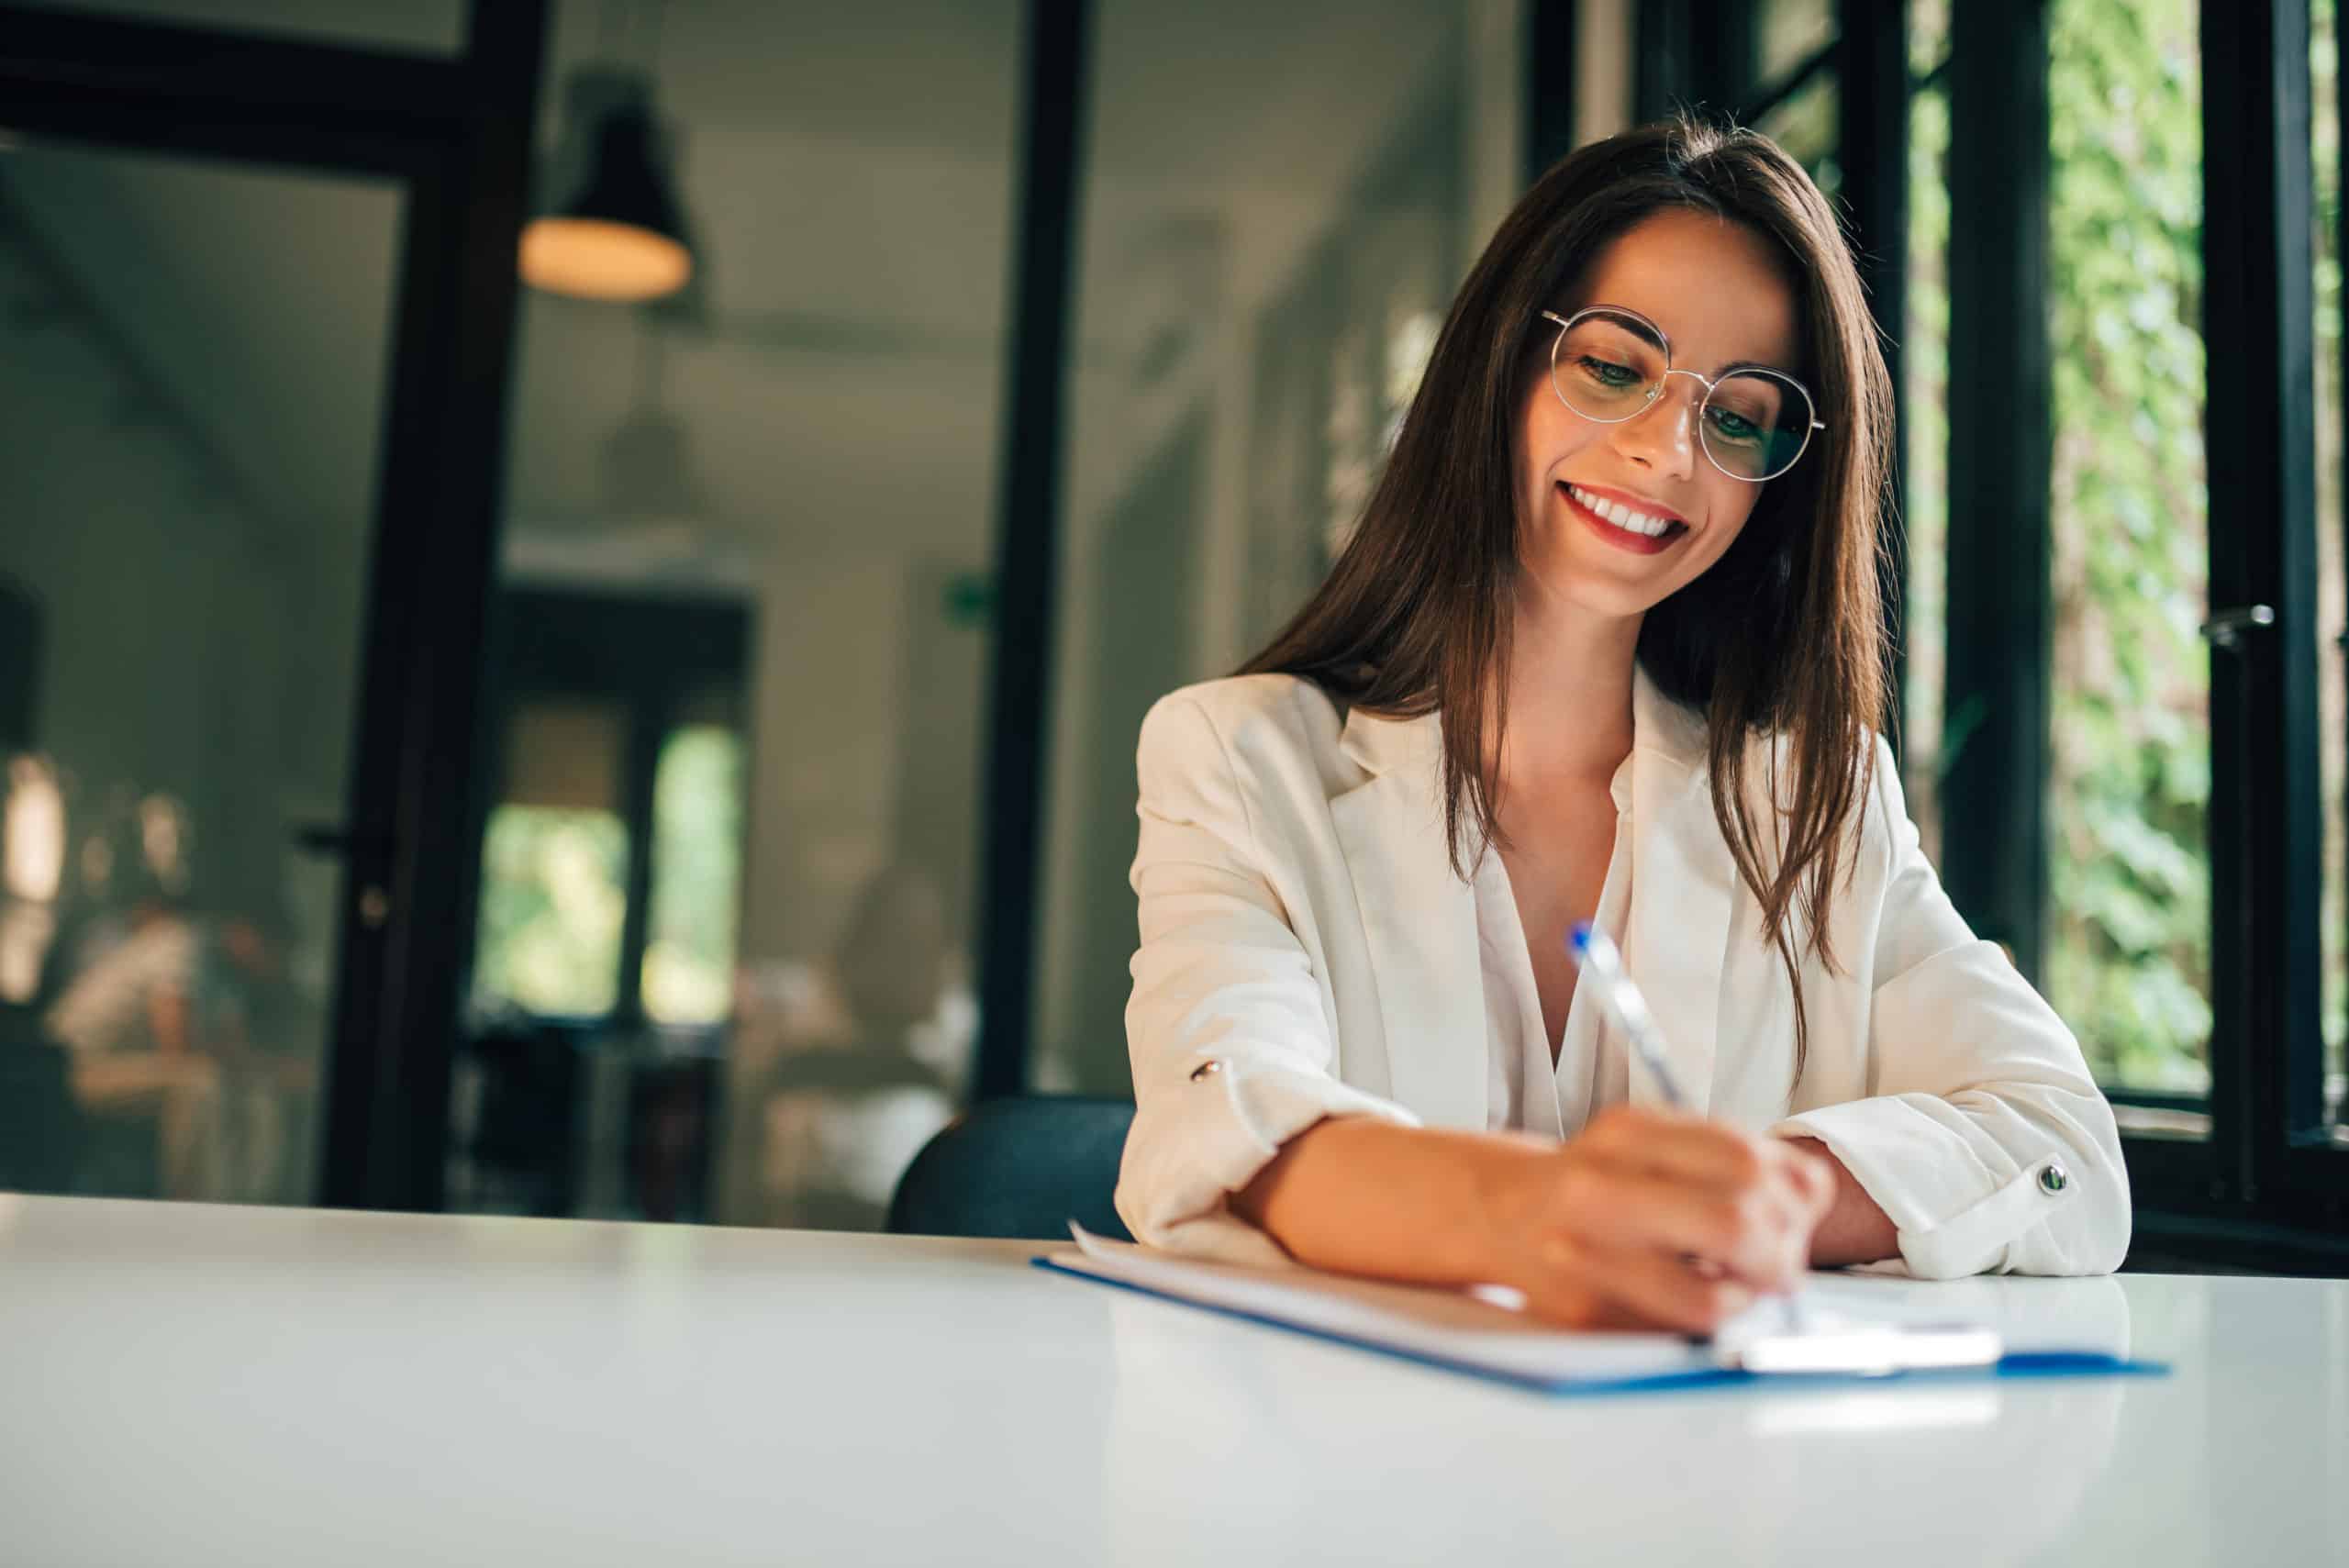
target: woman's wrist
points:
(1512, 1177)
(1856, 1230)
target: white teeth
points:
(1623, 516)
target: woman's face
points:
(1719, 290)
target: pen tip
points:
(1579, 937)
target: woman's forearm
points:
(1358, 1195)
(1642, 1218)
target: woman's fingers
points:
(1593, 1286)
(1759, 1234)
(1671, 1143)
(1748, 1204)
(1662, 1218)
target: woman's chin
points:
(1601, 595)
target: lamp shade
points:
(622, 237)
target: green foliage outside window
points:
(697, 876)
(1924, 364)
(554, 894)
(2127, 959)
(2333, 592)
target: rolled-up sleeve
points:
(1227, 1028)
(1985, 1141)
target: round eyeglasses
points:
(1609, 364)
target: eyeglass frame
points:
(1565, 325)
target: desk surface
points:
(199, 1384)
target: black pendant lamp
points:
(621, 238)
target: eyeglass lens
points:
(1608, 367)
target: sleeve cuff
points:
(1954, 1215)
(1195, 1144)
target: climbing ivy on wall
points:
(2128, 961)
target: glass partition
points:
(743, 628)
(192, 366)
(1278, 203)
(2333, 575)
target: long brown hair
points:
(1782, 637)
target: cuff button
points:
(2054, 1178)
(1206, 1070)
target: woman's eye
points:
(1607, 373)
(1735, 425)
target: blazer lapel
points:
(1682, 883)
(1419, 918)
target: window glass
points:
(1805, 126)
(2332, 578)
(778, 480)
(2127, 959)
(1925, 365)
(1928, 36)
(1264, 258)
(1792, 31)
(697, 876)
(192, 363)
(553, 891)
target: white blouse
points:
(1593, 1068)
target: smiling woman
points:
(1606, 646)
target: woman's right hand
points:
(1654, 1219)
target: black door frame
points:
(456, 131)
(1027, 529)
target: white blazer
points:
(1307, 950)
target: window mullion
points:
(2266, 830)
(1994, 814)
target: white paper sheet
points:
(1436, 1325)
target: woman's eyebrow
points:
(1573, 306)
(1748, 363)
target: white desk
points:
(188, 1385)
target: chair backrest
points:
(43, 1131)
(1018, 1167)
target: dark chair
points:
(1021, 1167)
(43, 1133)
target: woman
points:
(1605, 645)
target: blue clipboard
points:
(1937, 1354)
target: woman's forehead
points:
(1719, 290)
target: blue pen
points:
(1595, 955)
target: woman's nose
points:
(1662, 436)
